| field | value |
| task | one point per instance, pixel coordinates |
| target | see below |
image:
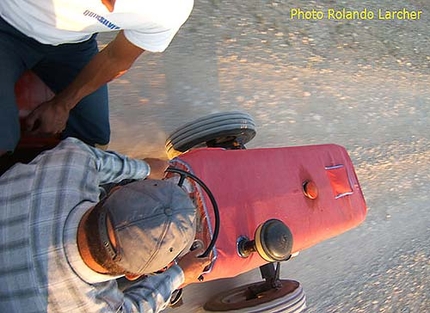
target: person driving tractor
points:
(63, 248)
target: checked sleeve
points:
(114, 167)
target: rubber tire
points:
(215, 127)
(285, 300)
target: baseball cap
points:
(153, 222)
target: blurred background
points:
(363, 84)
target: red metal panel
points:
(30, 91)
(254, 185)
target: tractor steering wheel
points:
(183, 175)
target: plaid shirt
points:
(41, 204)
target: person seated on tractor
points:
(56, 39)
(63, 248)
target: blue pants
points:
(57, 66)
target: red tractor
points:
(260, 207)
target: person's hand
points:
(158, 166)
(48, 118)
(193, 266)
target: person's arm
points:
(153, 293)
(115, 59)
(111, 167)
(114, 167)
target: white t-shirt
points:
(149, 24)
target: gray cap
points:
(153, 222)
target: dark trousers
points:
(57, 66)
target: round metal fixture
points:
(273, 242)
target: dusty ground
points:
(359, 83)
